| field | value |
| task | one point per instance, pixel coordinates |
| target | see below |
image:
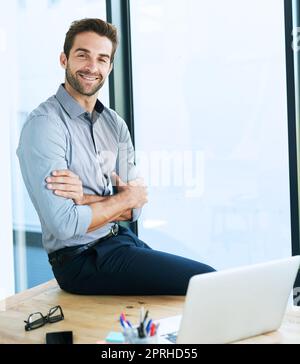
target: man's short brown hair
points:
(97, 26)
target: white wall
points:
(6, 104)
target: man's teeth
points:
(89, 78)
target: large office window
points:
(211, 128)
(36, 32)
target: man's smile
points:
(87, 77)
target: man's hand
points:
(135, 191)
(66, 184)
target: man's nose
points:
(91, 66)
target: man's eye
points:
(81, 55)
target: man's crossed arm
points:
(105, 209)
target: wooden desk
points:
(92, 317)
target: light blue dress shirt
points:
(60, 134)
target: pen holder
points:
(132, 337)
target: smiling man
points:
(73, 150)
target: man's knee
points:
(202, 269)
(206, 269)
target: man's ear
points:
(110, 68)
(63, 60)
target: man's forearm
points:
(126, 216)
(91, 199)
(107, 209)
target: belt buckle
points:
(114, 230)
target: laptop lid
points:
(239, 303)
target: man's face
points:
(89, 63)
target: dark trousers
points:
(125, 265)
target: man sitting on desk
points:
(68, 150)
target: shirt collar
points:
(72, 107)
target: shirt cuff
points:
(136, 213)
(84, 219)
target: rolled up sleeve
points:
(126, 167)
(42, 149)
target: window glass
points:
(35, 35)
(211, 128)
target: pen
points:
(123, 316)
(152, 330)
(146, 316)
(141, 331)
(122, 322)
(141, 314)
(148, 327)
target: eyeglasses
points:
(37, 319)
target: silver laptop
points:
(232, 305)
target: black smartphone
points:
(62, 337)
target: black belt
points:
(61, 256)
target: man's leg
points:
(130, 267)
